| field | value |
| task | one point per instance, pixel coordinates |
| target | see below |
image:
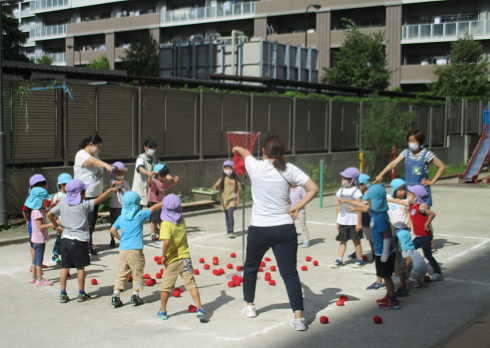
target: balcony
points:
(29, 27)
(115, 24)
(337, 37)
(58, 58)
(416, 74)
(50, 32)
(295, 39)
(420, 33)
(26, 13)
(208, 14)
(49, 5)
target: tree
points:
(100, 63)
(142, 57)
(467, 73)
(13, 38)
(361, 61)
(44, 59)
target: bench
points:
(198, 205)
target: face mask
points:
(413, 146)
(119, 177)
(412, 200)
(228, 171)
(95, 150)
(346, 183)
(151, 152)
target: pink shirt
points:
(156, 192)
(39, 236)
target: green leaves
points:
(100, 63)
(142, 57)
(13, 37)
(44, 59)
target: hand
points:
(59, 230)
(427, 226)
(379, 178)
(164, 260)
(427, 182)
(384, 257)
(114, 189)
(175, 179)
(152, 174)
(215, 188)
(340, 200)
(120, 182)
(109, 168)
(58, 200)
(359, 228)
(352, 208)
(236, 149)
(293, 212)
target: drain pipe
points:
(233, 47)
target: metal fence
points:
(46, 126)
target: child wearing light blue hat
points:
(59, 197)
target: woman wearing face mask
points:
(144, 169)
(89, 169)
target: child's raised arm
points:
(173, 181)
(357, 203)
(398, 201)
(103, 196)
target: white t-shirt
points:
(93, 176)
(397, 212)
(270, 191)
(348, 218)
(117, 198)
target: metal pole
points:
(321, 184)
(3, 176)
(306, 27)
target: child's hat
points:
(35, 199)
(159, 167)
(405, 239)
(34, 180)
(73, 190)
(117, 166)
(364, 179)
(419, 191)
(396, 184)
(64, 178)
(131, 205)
(228, 163)
(351, 173)
(377, 195)
(172, 209)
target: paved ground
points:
(32, 316)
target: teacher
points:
(89, 169)
(272, 224)
(143, 169)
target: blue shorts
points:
(38, 254)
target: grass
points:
(451, 169)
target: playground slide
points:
(477, 159)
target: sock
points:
(63, 292)
(340, 259)
(359, 259)
(81, 292)
(393, 298)
(136, 293)
(116, 293)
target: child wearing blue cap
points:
(117, 180)
(59, 197)
(156, 193)
(229, 188)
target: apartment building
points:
(418, 33)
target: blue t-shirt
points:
(381, 224)
(131, 231)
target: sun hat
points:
(418, 191)
(159, 167)
(351, 173)
(405, 239)
(117, 166)
(35, 199)
(131, 205)
(228, 163)
(377, 195)
(64, 178)
(73, 190)
(172, 209)
(35, 179)
(396, 184)
(364, 179)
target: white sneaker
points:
(306, 243)
(249, 311)
(436, 277)
(299, 324)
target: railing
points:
(445, 30)
(39, 5)
(28, 27)
(58, 58)
(26, 13)
(55, 30)
(208, 13)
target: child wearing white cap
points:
(117, 180)
(229, 187)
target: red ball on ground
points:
(364, 258)
(262, 264)
(377, 319)
(149, 282)
(215, 262)
(238, 268)
(308, 258)
(44, 266)
(343, 298)
(229, 266)
(215, 258)
(273, 268)
(267, 278)
(94, 281)
(201, 260)
(154, 281)
(176, 293)
(304, 268)
(180, 289)
(232, 255)
(221, 271)
(272, 282)
(147, 276)
(192, 309)
(68, 275)
(156, 258)
(206, 266)
(237, 282)
(267, 274)
(196, 272)
(323, 319)
(426, 279)
(339, 303)
(315, 263)
(158, 276)
(231, 284)
(261, 269)
(234, 277)
(130, 280)
(240, 279)
(215, 272)
(267, 259)
(159, 261)
(161, 270)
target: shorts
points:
(155, 217)
(368, 233)
(131, 262)
(385, 269)
(38, 253)
(74, 254)
(400, 265)
(348, 232)
(182, 267)
(114, 213)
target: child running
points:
(75, 234)
(35, 208)
(131, 256)
(176, 256)
(117, 180)
(349, 223)
(421, 217)
(296, 194)
(57, 198)
(156, 193)
(229, 187)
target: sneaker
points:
(415, 283)
(162, 315)
(92, 251)
(402, 292)
(32, 280)
(338, 263)
(299, 324)
(433, 250)
(201, 315)
(389, 304)
(249, 311)
(56, 259)
(83, 297)
(382, 300)
(306, 243)
(436, 277)
(113, 243)
(359, 263)
(352, 256)
(136, 300)
(230, 234)
(116, 302)
(376, 286)
(43, 282)
(64, 298)
(154, 237)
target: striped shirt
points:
(428, 158)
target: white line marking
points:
(211, 247)
(466, 281)
(208, 236)
(478, 246)
(263, 331)
(321, 223)
(448, 235)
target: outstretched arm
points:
(103, 196)
(389, 167)
(242, 152)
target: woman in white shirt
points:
(272, 224)
(89, 169)
(144, 169)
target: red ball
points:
(94, 281)
(240, 279)
(192, 309)
(215, 262)
(364, 258)
(272, 282)
(156, 258)
(229, 266)
(147, 276)
(215, 258)
(149, 282)
(267, 278)
(215, 272)
(267, 259)
(232, 255)
(340, 303)
(304, 268)
(196, 272)
(261, 269)
(377, 319)
(426, 279)
(238, 268)
(267, 274)
(343, 298)
(176, 293)
(323, 319)
(273, 268)
(159, 261)
(130, 280)
(201, 260)
(308, 258)
(68, 275)
(262, 264)
(221, 271)
(234, 277)
(315, 263)
(44, 266)
(161, 270)
(181, 290)
(206, 266)
(154, 281)
(158, 275)
(231, 284)
(237, 282)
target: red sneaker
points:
(389, 304)
(382, 300)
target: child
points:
(176, 256)
(131, 257)
(75, 234)
(117, 180)
(59, 197)
(349, 223)
(156, 193)
(421, 217)
(296, 194)
(413, 260)
(35, 208)
(229, 187)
